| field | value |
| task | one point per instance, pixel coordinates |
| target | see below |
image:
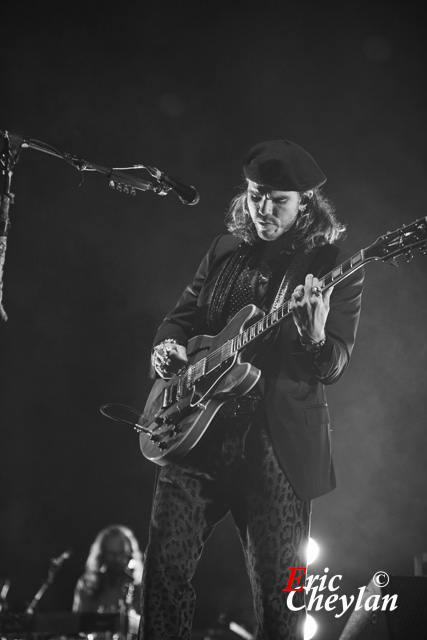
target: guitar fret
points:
(214, 360)
(188, 376)
(358, 257)
(226, 350)
(199, 369)
(337, 272)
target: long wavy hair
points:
(94, 564)
(315, 226)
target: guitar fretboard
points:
(266, 323)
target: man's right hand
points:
(169, 358)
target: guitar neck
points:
(232, 346)
(272, 319)
(386, 248)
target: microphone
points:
(187, 194)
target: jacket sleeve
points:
(331, 362)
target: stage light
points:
(240, 631)
(312, 551)
(310, 627)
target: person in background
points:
(111, 581)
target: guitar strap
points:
(234, 266)
(294, 275)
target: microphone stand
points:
(117, 180)
(54, 566)
(9, 158)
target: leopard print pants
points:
(233, 468)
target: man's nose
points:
(265, 206)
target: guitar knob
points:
(164, 420)
(162, 446)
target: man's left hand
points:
(310, 308)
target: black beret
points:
(282, 165)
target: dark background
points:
(90, 272)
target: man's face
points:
(273, 212)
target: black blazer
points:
(293, 381)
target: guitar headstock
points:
(401, 241)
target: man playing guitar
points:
(263, 446)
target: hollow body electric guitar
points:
(179, 411)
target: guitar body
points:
(179, 411)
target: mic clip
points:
(162, 188)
